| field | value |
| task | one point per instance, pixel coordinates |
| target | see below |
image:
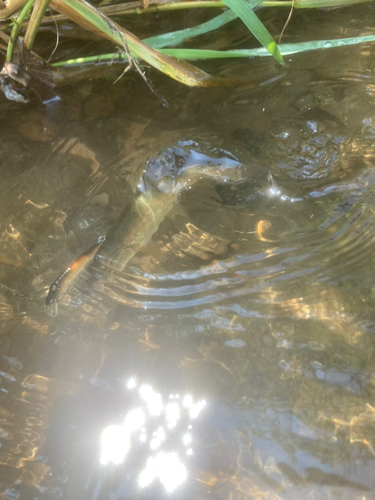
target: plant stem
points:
(90, 59)
(17, 25)
(34, 22)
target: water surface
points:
(233, 357)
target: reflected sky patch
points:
(153, 399)
(167, 468)
(159, 429)
(116, 438)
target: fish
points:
(138, 223)
(66, 280)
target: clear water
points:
(233, 357)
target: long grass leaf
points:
(87, 16)
(197, 54)
(177, 37)
(246, 14)
(285, 49)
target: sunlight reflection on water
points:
(143, 427)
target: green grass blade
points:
(293, 48)
(246, 14)
(177, 37)
(87, 16)
(285, 49)
(201, 54)
(17, 25)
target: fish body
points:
(134, 228)
(141, 220)
(138, 223)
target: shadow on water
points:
(232, 357)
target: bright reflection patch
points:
(134, 420)
(187, 438)
(158, 438)
(197, 408)
(143, 436)
(273, 191)
(158, 428)
(187, 401)
(165, 466)
(116, 439)
(154, 401)
(172, 414)
(115, 445)
(131, 384)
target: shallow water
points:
(233, 357)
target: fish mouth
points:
(51, 297)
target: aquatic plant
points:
(28, 69)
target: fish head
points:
(165, 165)
(52, 295)
(177, 168)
